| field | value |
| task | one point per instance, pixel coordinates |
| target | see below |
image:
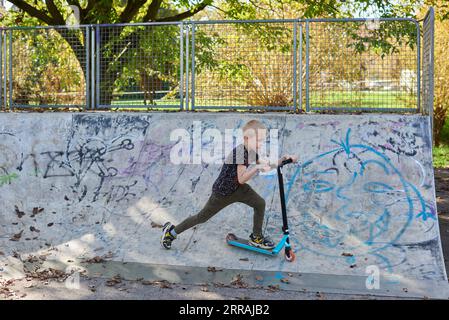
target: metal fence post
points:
(187, 68)
(428, 66)
(10, 70)
(181, 66)
(294, 65)
(300, 66)
(97, 66)
(92, 67)
(193, 66)
(418, 68)
(307, 66)
(431, 66)
(5, 71)
(87, 72)
(2, 56)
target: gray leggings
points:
(244, 194)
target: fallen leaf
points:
(19, 213)
(273, 288)
(161, 283)
(114, 280)
(156, 225)
(33, 229)
(96, 259)
(17, 236)
(36, 210)
(219, 285)
(238, 282)
(213, 269)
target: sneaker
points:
(261, 242)
(167, 238)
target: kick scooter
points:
(233, 240)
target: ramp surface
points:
(75, 186)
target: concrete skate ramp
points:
(76, 186)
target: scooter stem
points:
(281, 193)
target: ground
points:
(53, 285)
(442, 195)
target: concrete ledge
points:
(301, 282)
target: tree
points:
(53, 12)
(96, 12)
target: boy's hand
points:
(263, 167)
(290, 156)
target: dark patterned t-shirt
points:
(227, 181)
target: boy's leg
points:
(211, 208)
(251, 198)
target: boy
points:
(231, 187)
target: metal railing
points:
(428, 64)
(296, 65)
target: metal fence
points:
(428, 64)
(277, 65)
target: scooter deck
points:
(240, 240)
(235, 241)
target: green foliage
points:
(441, 156)
(441, 152)
(45, 70)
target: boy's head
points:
(254, 134)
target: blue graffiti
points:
(371, 226)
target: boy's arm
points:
(245, 174)
(287, 156)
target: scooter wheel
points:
(290, 256)
(231, 237)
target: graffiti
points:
(8, 178)
(373, 204)
(402, 139)
(118, 193)
(358, 197)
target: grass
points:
(362, 99)
(441, 153)
(325, 98)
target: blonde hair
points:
(253, 126)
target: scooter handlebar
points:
(286, 161)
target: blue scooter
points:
(233, 240)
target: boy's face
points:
(255, 139)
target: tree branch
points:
(55, 13)
(186, 14)
(32, 11)
(152, 11)
(74, 3)
(131, 9)
(84, 12)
